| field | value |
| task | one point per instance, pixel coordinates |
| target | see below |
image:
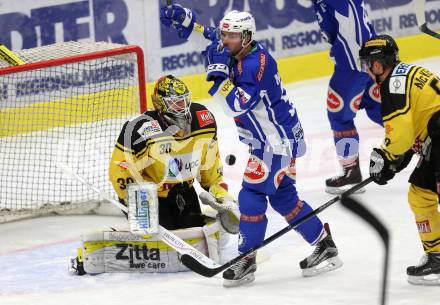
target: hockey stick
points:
(9, 56)
(357, 208)
(203, 270)
(166, 236)
(419, 6)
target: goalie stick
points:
(357, 208)
(419, 6)
(166, 236)
(196, 266)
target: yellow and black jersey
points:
(147, 151)
(410, 96)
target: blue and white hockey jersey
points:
(256, 98)
(345, 25)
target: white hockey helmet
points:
(238, 22)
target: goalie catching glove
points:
(220, 200)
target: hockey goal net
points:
(67, 104)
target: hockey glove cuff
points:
(380, 167)
(403, 161)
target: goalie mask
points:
(172, 99)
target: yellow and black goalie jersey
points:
(410, 96)
(147, 151)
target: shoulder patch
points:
(205, 118)
(150, 129)
(397, 85)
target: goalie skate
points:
(242, 272)
(427, 272)
(323, 259)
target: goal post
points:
(66, 104)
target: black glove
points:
(403, 161)
(380, 167)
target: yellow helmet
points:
(171, 96)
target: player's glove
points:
(380, 167)
(211, 33)
(217, 61)
(178, 17)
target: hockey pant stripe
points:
(292, 214)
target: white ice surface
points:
(33, 253)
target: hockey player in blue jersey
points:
(246, 81)
(345, 25)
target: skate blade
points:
(339, 190)
(247, 279)
(427, 280)
(326, 266)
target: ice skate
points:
(427, 272)
(242, 272)
(351, 175)
(323, 259)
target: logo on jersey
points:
(174, 167)
(289, 171)
(149, 129)
(398, 85)
(262, 66)
(374, 92)
(423, 226)
(205, 118)
(334, 101)
(388, 129)
(123, 164)
(356, 102)
(256, 171)
(243, 96)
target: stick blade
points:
(194, 265)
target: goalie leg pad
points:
(121, 251)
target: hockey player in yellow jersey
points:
(411, 117)
(173, 145)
